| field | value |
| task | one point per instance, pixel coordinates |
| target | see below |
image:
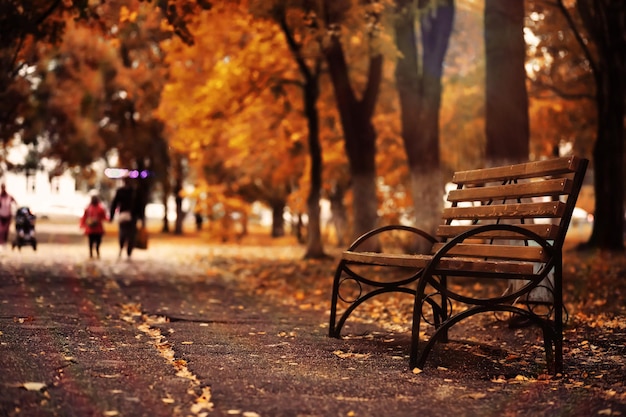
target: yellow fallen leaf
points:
(344, 355)
(186, 343)
(477, 395)
(605, 412)
(417, 371)
(168, 400)
(34, 386)
(110, 376)
(111, 413)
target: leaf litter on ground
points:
(594, 296)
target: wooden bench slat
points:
(550, 209)
(387, 259)
(551, 167)
(481, 250)
(550, 188)
(546, 231)
(447, 265)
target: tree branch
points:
(579, 38)
(562, 94)
(294, 47)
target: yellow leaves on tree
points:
(227, 104)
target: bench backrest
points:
(538, 196)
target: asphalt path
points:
(169, 333)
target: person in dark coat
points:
(126, 204)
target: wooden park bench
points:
(505, 225)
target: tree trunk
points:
(420, 91)
(359, 135)
(506, 113)
(178, 226)
(608, 155)
(506, 102)
(315, 247)
(166, 223)
(339, 215)
(278, 221)
(605, 23)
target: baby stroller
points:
(24, 229)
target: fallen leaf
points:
(477, 395)
(110, 376)
(34, 386)
(168, 400)
(344, 355)
(605, 412)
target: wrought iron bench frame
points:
(479, 250)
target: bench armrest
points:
(374, 232)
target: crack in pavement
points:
(133, 314)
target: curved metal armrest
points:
(392, 227)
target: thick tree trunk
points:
(420, 91)
(427, 191)
(408, 78)
(339, 215)
(359, 135)
(506, 102)
(315, 247)
(507, 125)
(605, 22)
(278, 222)
(361, 151)
(608, 155)
(365, 206)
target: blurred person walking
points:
(126, 204)
(7, 204)
(92, 221)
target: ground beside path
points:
(190, 328)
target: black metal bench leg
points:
(445, 312)
(558, 316)
(333, 331)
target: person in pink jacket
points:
(92, 221)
